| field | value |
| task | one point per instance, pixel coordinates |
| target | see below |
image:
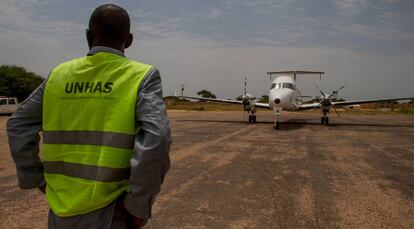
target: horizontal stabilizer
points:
(296, 73)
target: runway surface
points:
(226, 173)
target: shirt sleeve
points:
(23, 129)
(150, 161)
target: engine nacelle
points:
(249, 102)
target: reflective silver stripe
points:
(89, 138)
(89, 172)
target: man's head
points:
(109, 26)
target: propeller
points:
(327, 99)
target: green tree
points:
(206, 94)
(15, 81)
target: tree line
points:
(16, 81)
(208, 94)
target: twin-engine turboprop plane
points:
(284, 95)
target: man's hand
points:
(132, 221)
(42, 189)
(137, 222)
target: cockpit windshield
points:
(283, 85)
(288, 85)
(276, 85)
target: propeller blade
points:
(335, 92)
(323, 94)
(342, 87)
(336, 111)
(319, 105)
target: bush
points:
(15, 81)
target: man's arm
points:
(23, 130)
(151, 160)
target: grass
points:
(203, 106)
(214, 106)
(402, 111)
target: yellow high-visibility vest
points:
(89, 130)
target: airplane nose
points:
(277, 101)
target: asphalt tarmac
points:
(226, 173)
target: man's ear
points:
(129, 41)
(89, 38)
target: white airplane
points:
(284, 95)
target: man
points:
(105, 133)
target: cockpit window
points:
(288, 85)
(3, 101)
(283, 85)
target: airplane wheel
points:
(250, 118)
(254, 118)
(322, 120)
(326, 121)
(277, 126)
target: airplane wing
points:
(307, 106)
(345, 103)
(214, 100)
(260, 105)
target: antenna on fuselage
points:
(294, 73)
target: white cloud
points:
(159, 29)
(212, 13)
(35, 43)
(213, 65)
(139, 13)
(207, 63)
(350, 7)
(376, 33)
(268, 6)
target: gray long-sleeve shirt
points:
(149, 163)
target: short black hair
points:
(110, 22)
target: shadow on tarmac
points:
(293, 124)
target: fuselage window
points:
(273, 86)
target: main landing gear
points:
(252, 117)
(325, 119)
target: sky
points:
(367, 45)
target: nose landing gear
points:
(277, 111)
(277, 125)
(325, 119)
